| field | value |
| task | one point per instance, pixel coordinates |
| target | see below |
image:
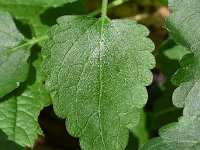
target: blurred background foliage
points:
(159, 110)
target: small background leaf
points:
(183, 26)
(29, 12)
(8, 145)
(160, 105)
(20, 109)
(13, 58)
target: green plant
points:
(95, 73)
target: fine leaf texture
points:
(13, 58)
(184, 28)
(96, 72)
(185, 31)
(19, 111)
(183, 24)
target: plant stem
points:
(109, 6)
(28, 43)
(104, 8)
(165, 111)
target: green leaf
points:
(183, 135)
(41, 23)
(175, 53)
(14, 54)
(13, 58)
(160, 92)
(187, 94)
(38, 28)
(7, 144)
(140, 130)
(27, 9)
(20, 109)
(184, 29)
(183, 23)
(48, 3)
(164, 2)
(96, 72)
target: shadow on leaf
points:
(6, 144)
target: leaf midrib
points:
(100, 77)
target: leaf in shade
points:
(20, 109)
(13, 57)
(183, 24)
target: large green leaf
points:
(96, 72)
(13, 58)
(183, 25)
(20, 109)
